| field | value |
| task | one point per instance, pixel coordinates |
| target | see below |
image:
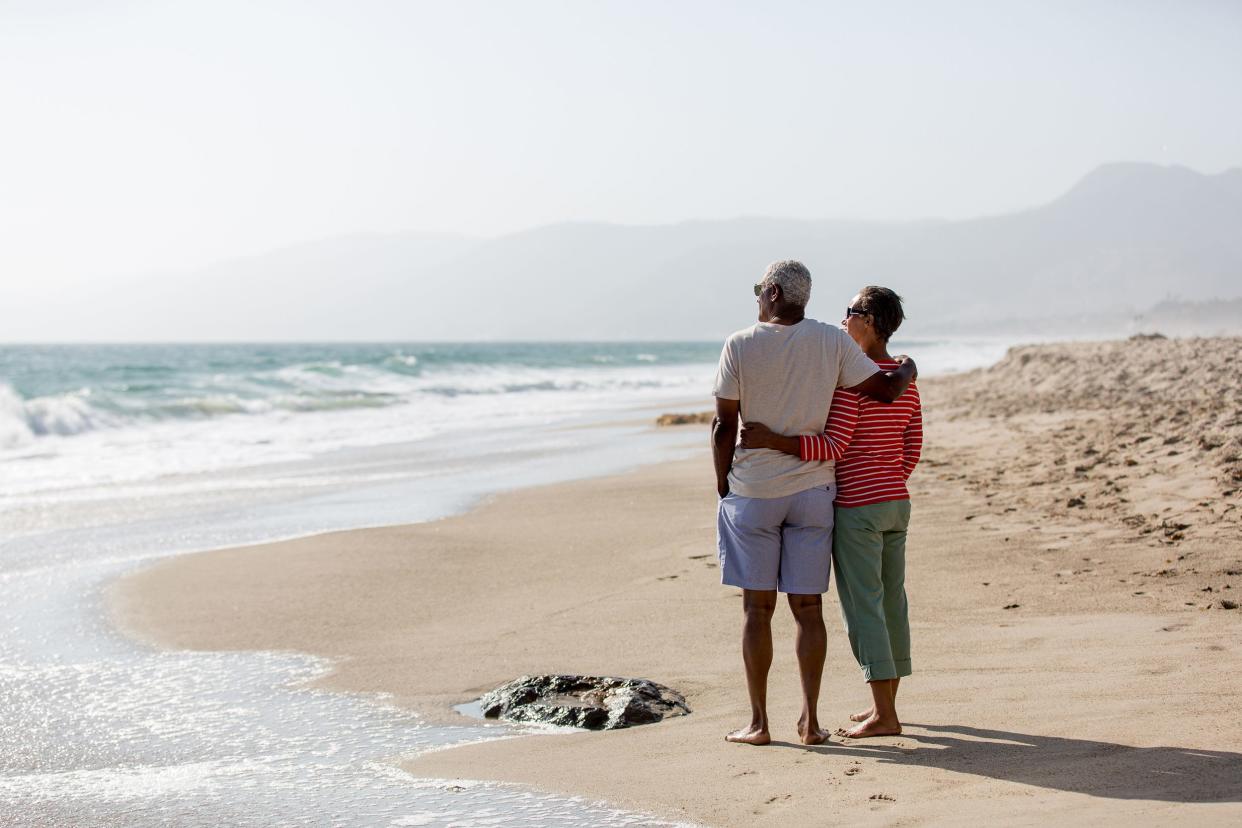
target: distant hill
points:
(1125, 238)
(1218, 318)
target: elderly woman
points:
(876, 446)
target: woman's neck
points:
(877, 351)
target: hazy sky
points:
(148, 135)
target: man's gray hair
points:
(794, 280)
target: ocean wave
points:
(310, 387)
(21, 421)
(14, 428)
(206, 406)
(331, 368)
(402, 363)
(337, 403)
(66, 415)
(502, 387)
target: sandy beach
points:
(1075, 567)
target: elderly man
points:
(774, 520)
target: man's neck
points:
(786, 316)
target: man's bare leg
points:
(811, 646)
(758, 605)
(870, 711)
(883, 722)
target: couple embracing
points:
(830, 429)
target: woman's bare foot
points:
(874, 726)
(749, 736)
(863, 716)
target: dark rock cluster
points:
(592, 702)
(685, 419)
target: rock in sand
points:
(592, 702)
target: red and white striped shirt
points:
(876, 445)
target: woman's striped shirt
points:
(876, 445)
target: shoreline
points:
(131, 612)
(1086, 697)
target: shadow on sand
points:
(1167, 774)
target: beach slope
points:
(1073, 553)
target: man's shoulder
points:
(831, 335)
(807, 327)
(744, 335)
(832, 332)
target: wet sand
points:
(1075, 543)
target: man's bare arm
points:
(724, 438)
(887, 386)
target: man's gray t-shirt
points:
(785, 376)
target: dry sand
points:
(1072, 662)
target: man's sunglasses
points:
(759, 289)
(854, 312)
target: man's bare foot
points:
(873, 726)
(749, 736)
(863, 716)
(814, 735)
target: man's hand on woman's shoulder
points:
(887, 386)
(902, 359)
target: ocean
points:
(113, 456)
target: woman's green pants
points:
(869, 550)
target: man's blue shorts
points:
(782, 543)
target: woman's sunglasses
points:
(854, 312)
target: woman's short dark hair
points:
(884, 307)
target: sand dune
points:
(1136, 445)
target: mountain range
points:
(1125, 238)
